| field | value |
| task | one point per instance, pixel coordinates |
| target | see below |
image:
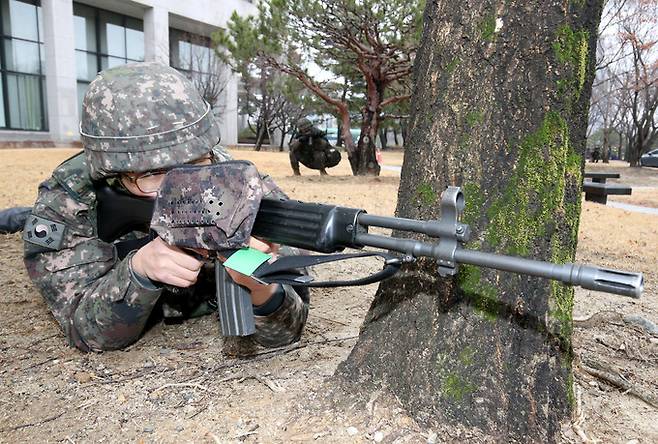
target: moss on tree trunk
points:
(500, 109)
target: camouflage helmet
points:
(304, 125)
(141, 117)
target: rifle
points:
(317, 227)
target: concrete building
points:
(52, 49)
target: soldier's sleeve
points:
(221, 154)
(93, 295)
(284, 326)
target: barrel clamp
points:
(453, 232)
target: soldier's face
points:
(129, 181)
(147, 184)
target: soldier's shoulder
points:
(73, 176)
(67, 194)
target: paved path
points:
(634, 208)
(391, 168)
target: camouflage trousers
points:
(314, 159)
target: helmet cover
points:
(141, 117)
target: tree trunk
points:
(644, 139)
(339, 135)
(383, 138)
(404, 131)
(634, 158)
(636, 148)
(350, 148)
(263, 112)
(605, 154)
(500, 108)
(395, 137)
(629, 148)
(284, 132)
(364, 162)
(260, 136)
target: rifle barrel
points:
(592, 278)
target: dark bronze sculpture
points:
(311, 147)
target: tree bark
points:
(499, 108)
(364, 162)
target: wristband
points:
(272, 304)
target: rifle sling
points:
(282, 271)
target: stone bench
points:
(600, 177)
(597, 190)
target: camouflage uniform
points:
(136, 118)
(311, 147)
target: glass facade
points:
(104, 39)
(22, 85)
(193, 55)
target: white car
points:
(649, 159)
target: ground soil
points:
(174, 385)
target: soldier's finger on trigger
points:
(175, 275)
(187, 275)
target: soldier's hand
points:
(167, 264)
(260, 293)
(264, 246)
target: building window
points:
(22, 86)
(190, 52)
(193, 55)
(104, 39)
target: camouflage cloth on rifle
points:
(95, 296)
(311, 147)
